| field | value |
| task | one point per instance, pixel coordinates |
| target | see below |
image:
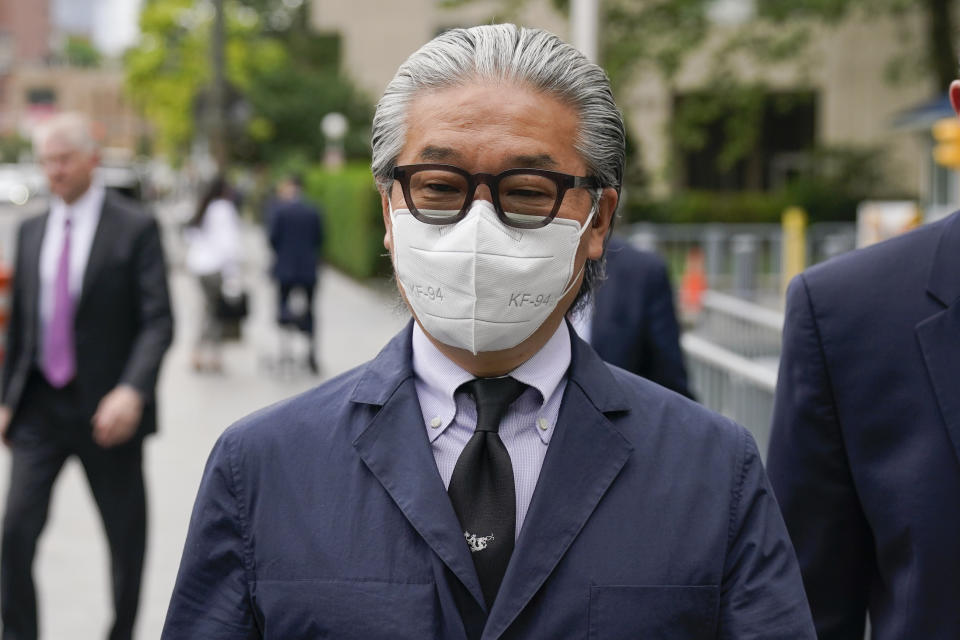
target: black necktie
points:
(481, 488)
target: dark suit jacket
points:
(634, 322)
(325, 516)
(865, 449)
(123, 323)
(296, 235)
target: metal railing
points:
(744, 259)
(748, 329)
(732, 357)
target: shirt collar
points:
(439, 377)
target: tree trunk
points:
(942, 53)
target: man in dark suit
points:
(90, 322)
(487, 475)
(632, 320)
(296, 235)
(865, 449)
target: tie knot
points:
(493, 396)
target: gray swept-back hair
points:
(74, 128)
(506, 52)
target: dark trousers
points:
(302, 321)
(48, 428)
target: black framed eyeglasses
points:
(523, 198)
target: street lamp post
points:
(583, 27)
(218, 125)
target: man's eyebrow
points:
(438, 154)
(432, 153)
(539, 161)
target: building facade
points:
(843, 96)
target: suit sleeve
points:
(274, 231)
(663, 335)
(811, 476)
(211, 598)
(762, 592)
(156, 320)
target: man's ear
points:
(955, 96)
(387, 222)
(597, 233)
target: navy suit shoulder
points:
(866, 435)
(861, 283)
(302, 423)
(652, 406)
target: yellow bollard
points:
(947, 150)
(794, 258)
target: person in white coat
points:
(213, 256)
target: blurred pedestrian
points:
(487, 474)
(90, 322)
(296, 235)
(213, 256)
(631, 321)
(865, 449)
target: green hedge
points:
(820, 203)
(353, 219)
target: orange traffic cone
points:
(693, 283)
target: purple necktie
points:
(59, 357)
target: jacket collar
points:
(944, 282)
(939, 335)
(593, 376)
(395, 449)
(391, 367)
(394, 364)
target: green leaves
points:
(282, 81)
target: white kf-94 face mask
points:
(479, 284)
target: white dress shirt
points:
(84, 217)
(450, 418)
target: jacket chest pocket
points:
(653, 613)
(345, 609)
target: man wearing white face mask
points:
(487, 475)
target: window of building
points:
(41, 96)
(783, 131)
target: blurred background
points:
(764, 136)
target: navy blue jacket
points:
(325, 516)
(866, 436)
(635, 322)
(296, 235)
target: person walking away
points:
(296, 235)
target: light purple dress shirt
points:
(450, 418)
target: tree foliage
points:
(80, 52)
(281, 78)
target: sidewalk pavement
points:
(72, 568)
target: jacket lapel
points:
(585, 456)
(939, 335)
(103, 239)
(394, 447)
(30, 278)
